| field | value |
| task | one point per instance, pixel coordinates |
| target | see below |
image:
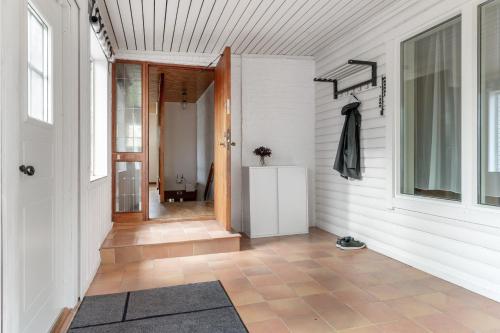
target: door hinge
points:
(228, 106)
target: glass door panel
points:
(128, 187)
(129, 157)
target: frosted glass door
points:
(129, 156)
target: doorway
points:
(181, 142)
(131, 109)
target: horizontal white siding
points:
(461, 252)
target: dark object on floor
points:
(349, 243)
(200, 307)
(347, 161)
(210, 180)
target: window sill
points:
(476, 214)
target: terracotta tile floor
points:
(305, 284)
(156, 233)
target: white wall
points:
(204, 138)
(278, 112)
(95, 196)
(236, 171)
(154, 145)
(180, 144)
(462, 248)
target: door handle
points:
(227, 144)
(27, 170)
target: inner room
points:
(181, 143)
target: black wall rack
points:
(352, 67)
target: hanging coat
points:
(347, 161)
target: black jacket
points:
(347, 161)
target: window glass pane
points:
(36, 92)
(36, 41)
(99, 109)
(128, 187)
(128, 108)
(489, 187)
(431, 107)
(38, 80)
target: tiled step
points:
(131, 243)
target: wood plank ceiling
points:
(192, 82)
(280, 27)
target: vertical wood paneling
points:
(139, 23)
(191, 21)
(95, 226)
(159, 22)
(112, 10)
(289, 27)
(149, 22)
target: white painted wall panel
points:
(278, 112)
(204, 138)
(462, 252)
(154, 146)
(180, 145)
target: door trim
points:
(161, 119)
(136, 157)
(146, 65)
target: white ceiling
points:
(289, 27)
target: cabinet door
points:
(263, 202)
(292, 201)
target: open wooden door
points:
(161, 148)
(222, 140)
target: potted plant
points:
(262, 152)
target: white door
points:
(41, 165)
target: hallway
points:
(178, 211)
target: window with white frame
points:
(98, 110)
(38, 68)
(489, 102)
(431, 112)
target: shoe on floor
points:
(349, 243)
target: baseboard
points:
(63, 321)
(466, 281)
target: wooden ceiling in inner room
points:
(177, 80)
(281, 27)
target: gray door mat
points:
(100, 309)
(177, 299)
(222, 320)
(199, 307)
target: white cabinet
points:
(275, 201)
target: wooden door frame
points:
(131, 157)
(161, 120)
(222, 140)
(146, 65)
